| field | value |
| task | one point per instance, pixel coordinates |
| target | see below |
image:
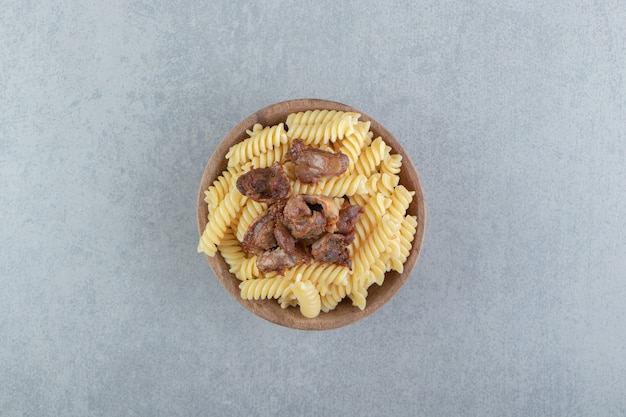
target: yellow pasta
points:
(218, 190)
(320, 272)
(400, 201)
(308, 298)
(375, 243)
(378, 270)
(391, 164)
(408, 227)
(382, 183)
(247, 269)
(383, 235)
(354, 143)
(311, 117)
(333, 295)
(266, 159)
(262, 288)
(259, 142)
(370, 158)
(359, 199)
(343, 185)
(358, 297)
(373, 211)
(231, 250)
(288, 300)
(318, 127)
(219, 220)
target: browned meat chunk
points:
(265, 185)
(260, 234)
(279, 260)
(275, 260)
(301, 221)
(328, 207)
(332, 248)
(348, 216)
(284, 239)
(304, 221)
(313, 165)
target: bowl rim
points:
(345, 313)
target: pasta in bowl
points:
(356, 184)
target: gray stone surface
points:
(514, 113)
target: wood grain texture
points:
(344, 314)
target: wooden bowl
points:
(344, 313)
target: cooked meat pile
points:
(298, 228)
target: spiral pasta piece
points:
(308, 298)
(343, 185)
(231, 250)
(382, 183)
(351, 147)
(262, 288)
(370, 158)
(373, 211)
(378, 270)
(400, 201)
(363, 129)
(408, 227)
(288, 300)
(359, 199)
(256, 128)
(219, 220)
(247, 269)
(320, 273)
(259, 142)
(266, 159)
(216, 192)
(353, 144)
(318, 127)
(333, 295)
(358, 297)
(391, 164)
(315, 117)
(373, 246)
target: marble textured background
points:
(514, 113)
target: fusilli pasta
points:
(218, 190)
(343, 185)
(262, 288)
(219, 220)
(370, 158)
(383, 235)
(375, 243)
(308, 298)
(259, 142)
(320, 127)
